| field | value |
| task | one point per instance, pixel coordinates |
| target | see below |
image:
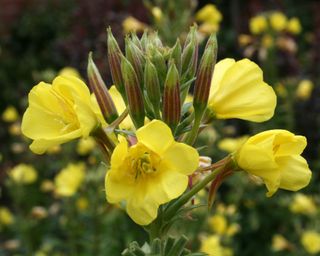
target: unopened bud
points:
(159, 61)
(152, 85)
(114, 59)
(204, 76)
(101, 92)
(136, 40)
(190, 54)
(136, 58)
(133, 93)
(176, 55)
(171, 98)
(144, 40)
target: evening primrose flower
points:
(278, 21)
(131, 24)
(6, 217)
(311, 241)
(238, 91)
(279, 243)
(85, 146)
(10, 114)
(258, 24)
(68, 181)
(274, 156)
(59, 113)
(303, 204)
(218, 224)
(210, 14)
(212, 246)
(294, 26)
(23, 174)
(304, 89)
(150, 173)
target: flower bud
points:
(159, 61)
(99, 89)
(152, 85)
(176, 55)
(114, 58)
(204, 76)
(171, 98)
(190, 54)
(136, 41)
(136, 58)
(133, 93)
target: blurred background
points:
(54, 204)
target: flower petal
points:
(119, 153)
(181, 158)
(295, 172)
(155, 135)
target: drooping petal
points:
(156, 136)
(181, 158)
(295, 172)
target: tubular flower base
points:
(238, 91)
(275, 157)
(59, 113)
(152, 172)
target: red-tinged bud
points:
(133, 93)
(176, 55)
(136, 58)
(204, 76)
(171, 109)
(114, 58)
(101, 92)
(152, 86)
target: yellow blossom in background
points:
(233, 229)
(209, 14)
(157, 13)
(244, 40)
(218, 224)
(208, 28)
(127, 123)
(6, 217)
(15, 129)
(82, 203)
(235, 88)
(294, 26)
(69, 179)
(303, 204)
(59, 113)
(69, 71)
(150, 173)
(47, 186)
(258, 24)
(10, 114)
(131, 24)
(85, 146)
(23, 174)
(230, 145)
(311, 241)
(279, 243)
(267, 41)
(274, 156)
(212, 246)
(278, 21)
(304, 89)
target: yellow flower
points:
(10, 114)
(6, 217)
(69, 71)
(238, 91)
(15, 129)
(218, 224)
(85, 146)
(59, 113)
(230, 145)
(120, 106)
(152, 172)
(68, 181)
(311, 241)
(232, 229)
(258, 24)
(131, 24)
(278, 21)
(209, 14)
(303, 204)
(82, 203)
(23, 174)
(279, 243)
(46, 186)
(294, 26)
(267, 41)
(211, 245)
(244, 40)
(304, 89)
(274, 156)
(157, 13)
(208, 28)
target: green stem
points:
(194, 131)
(172, 209)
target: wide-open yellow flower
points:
(59, 112)
(69, 179)
(311, 241)
(274, 156)
(238, 91)
(150, 173)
